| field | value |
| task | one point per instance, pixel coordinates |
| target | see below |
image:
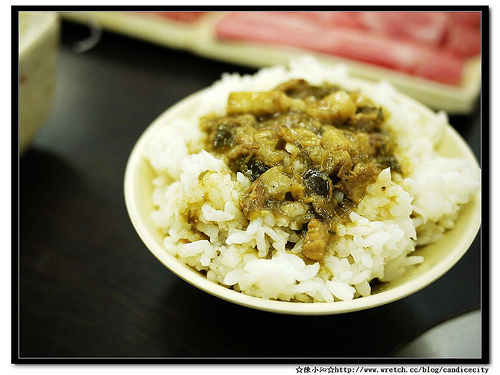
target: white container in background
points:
(39, 34)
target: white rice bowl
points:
(246, 261)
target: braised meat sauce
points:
(309, 152)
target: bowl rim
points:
(293, 308)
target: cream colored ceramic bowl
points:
(439, 257)
(38, 47)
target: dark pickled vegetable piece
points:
(296, 88)
(384, 155)
(251, 167)
(390, 161)
(374, 112)
(317, 182)
(324, 208)
(223, 136)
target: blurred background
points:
(89, 85)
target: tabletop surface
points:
(88, 286)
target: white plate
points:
(199, 38)
(38, 49)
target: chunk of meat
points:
(354, 182)
(334, 139)
(316, 240)
(254, 199)
(269, 190)
(294, 120)
(333, 109)
(261, 103)
(277, 184)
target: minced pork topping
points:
(309, 152)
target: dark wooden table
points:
(89, 288)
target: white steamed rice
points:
(253, 257)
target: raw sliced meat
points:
(333, 19)
(472, 19)
(186, 17)
(463, 40)
(421, 27)
(456, 32)
(289, 30)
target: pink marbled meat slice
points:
(296, 30)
